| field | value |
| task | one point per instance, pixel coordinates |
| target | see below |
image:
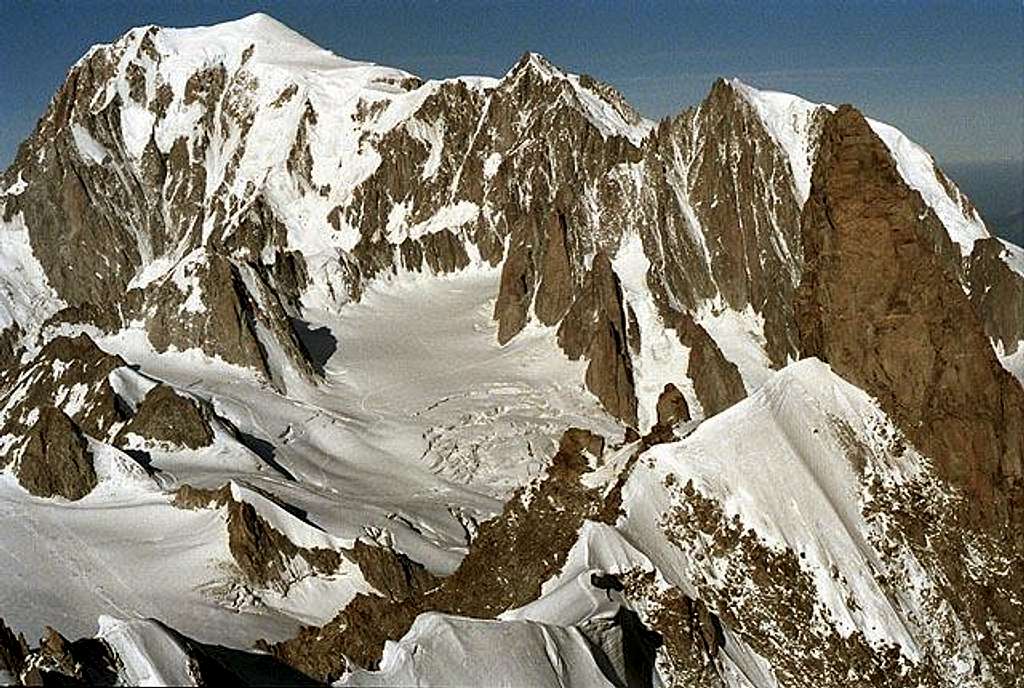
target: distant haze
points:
(997, 190)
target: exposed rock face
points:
(511, 309)
(575, 441)
(556, 287)
(997, 291)
(716, 380)
(672, 406)
(69, 373)
(391, 573)
(167, 417)
(56, 651)
(61, 662)
(224, 321)
(692, 633)
(266, 557)
(13, 651)
(878, 305)
(538, 269)
(747, 213)
(10, 351)
(55, 460)
(264, 554)
(595, 328)
(190, 497)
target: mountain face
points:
(363, 375)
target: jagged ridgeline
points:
(411, 381)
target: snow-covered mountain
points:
(380, 380)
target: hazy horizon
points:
(997, 190)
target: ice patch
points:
(608, 120)
(130, 386)
(740, 337)
(17, 187)
(26, 297)
(491, 165)
(88, 147)
(1014, 362)
(432, 136)
(136, 129)
(186, 276)
(450, 217)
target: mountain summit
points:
(383, 380)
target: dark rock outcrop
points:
(672, 407)
(10, 350)
(716, 379)
(62, 662)
(729, 230)
(13, 651)
(575, 441)
(224, 323)
(55, 459)
(512, 307)
(168, 417)
(556, 286)
(266, 557)
(391, 573)
(877, 304)
(595, 329)
(191, 497)
(264, 554)
(69, 372)
(997, 293)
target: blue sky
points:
(951, 75)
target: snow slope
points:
(423, 424)
(792, 463)
(130, 554)
(26, 298)
(447, 650)
(149, 655)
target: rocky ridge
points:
(422, 176)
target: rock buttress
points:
(56, 460)
(877, 305)
(595, 329)
(716, 379)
